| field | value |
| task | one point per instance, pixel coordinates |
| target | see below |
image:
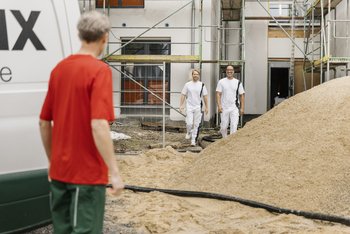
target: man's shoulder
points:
(97, 64)
(85, 60)
(234, 80)
(187, 83)
(222, 80)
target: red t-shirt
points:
(80, 89)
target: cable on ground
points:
(255, 204)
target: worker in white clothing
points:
(278, 99)
(193, 91)
(230, 101)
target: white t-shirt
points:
(228, 88)
(192, 91)
(278, 100)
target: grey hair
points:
(92, 26)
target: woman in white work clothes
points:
(193, 91)
(230, 101)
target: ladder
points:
(292, 55)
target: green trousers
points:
(77, 208)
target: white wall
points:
(282, 48)
(232, 51)
(150, 15)
(339, 47)
(256, 52)
(212, 69)
(147, 17)
(256, 78)
(277, 47)
(342, 46)
(254, 9)
(258, 47)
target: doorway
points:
(278, 90)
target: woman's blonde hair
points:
(196, 70)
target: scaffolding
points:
(229, 11)
(292, 24)
(232, 13)
(320, 33)
(292, 55)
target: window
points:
(121, 3)
(148, 75)
(280, 9)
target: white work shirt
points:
(278, 100)
(192, 91)
(228, 90)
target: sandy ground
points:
(295, 156)
(161, 213)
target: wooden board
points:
(170, 127)
(278, 33)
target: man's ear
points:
(104, 39)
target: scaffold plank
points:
(317, 6)
(333, 62)
(153, 58)
(225, 62)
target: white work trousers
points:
(193, 120)
(229, 116)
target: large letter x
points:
(27, 30)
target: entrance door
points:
(278, 88)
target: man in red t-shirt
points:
(75, 132)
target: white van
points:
(34, 36)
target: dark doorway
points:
(279, 84)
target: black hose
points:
(211, 138)
(274, 209)
(207, 138)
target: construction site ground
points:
(270, 160)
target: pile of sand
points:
(295, 156)
(141, 213)
(154, 167)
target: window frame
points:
(148, 70)
(119, 4)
